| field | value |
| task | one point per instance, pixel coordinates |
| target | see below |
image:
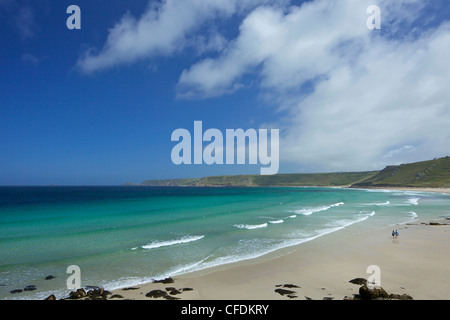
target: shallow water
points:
(123, 236)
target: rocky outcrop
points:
(404, 296)
(160, 294)
(367, 293)
(374, 293)
(78, 294)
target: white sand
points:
(417, 263)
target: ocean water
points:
(125, 236)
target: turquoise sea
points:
(125, 236)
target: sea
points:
(125, 236)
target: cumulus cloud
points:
(371, 94)
(163, 29)
(349, 98)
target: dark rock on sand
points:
(327, 298)
(187, 289)
(160, 294)
(437, 224)
(16, 291)
(116, 296)
(289, 285)
(80, 293)
(51, 297)
(50, 277)
(404, 296)
(284, 291)
(173, 291)
(31, 287)
(98, 294)
(359, 281)
(130, 288)
(156, 294)
(370, 294)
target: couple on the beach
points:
(394, 233)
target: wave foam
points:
(378, 204)
(414, 201)
(309, 211)
(413, 215)
(276, 221)
(159, 244)
(250, 226)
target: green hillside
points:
(425, 174)
(298, 179)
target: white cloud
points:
(162, 30)
(375, 96)
(371, 94)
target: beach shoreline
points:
(415, 264)
(417, 189)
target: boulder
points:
(359, 281)
(16, 291)
(404, 296)
(174, 291)
(367, 293)
(80, 293)
(156, 294)
(287, 285)
(284, 291)
(160, 294)
(51, 297)
(31, 287)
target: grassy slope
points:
(426, 174)
(312, 179)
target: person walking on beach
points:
(393, 234)
(396, 233)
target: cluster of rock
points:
(30, 287)
(94, 293)
(284, 292)
(374, 293)
(91, 293)
(169, 293)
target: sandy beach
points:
(416, 263)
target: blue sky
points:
(98, 105)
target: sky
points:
(98, 105)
